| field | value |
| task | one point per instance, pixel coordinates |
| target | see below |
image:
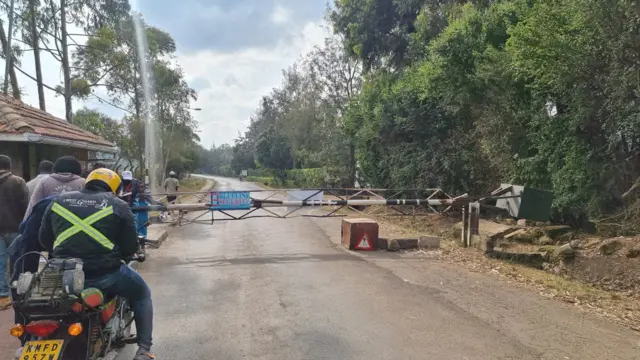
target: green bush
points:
(306, 178)
(296, 178)
(264, 180)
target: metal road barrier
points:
(517, 201)
(288, 203)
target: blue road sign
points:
(230, 200)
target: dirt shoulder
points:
(605, 287)
(587, 283)
(522, 305)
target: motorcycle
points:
(65, 321)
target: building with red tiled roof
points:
(29, 135)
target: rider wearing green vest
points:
(96, 226)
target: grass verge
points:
(193, 184)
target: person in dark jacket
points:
(23, 245)
(129, 187)
(99, 228)
(65, 177)
(14, 199)
(44, 170)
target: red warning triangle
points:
(364, 243)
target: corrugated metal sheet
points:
(18, 118)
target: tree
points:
(110, 60)
(32, 38)
(243, 155)
(274, 152)
(339, 79)
(89, 14)
(99, 124)
(14, 52)
(173, 96)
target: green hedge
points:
(296, 178)
(306, 178)
(265, 180)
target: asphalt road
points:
(280, 289)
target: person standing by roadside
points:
(44, 169)
(66, 177)
(136, 193)
(171, 186)
(14, 199)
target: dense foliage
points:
(466, 95)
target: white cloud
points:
(237, 81)
(226, 107)
(281, 15)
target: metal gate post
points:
(474, 221)
(465, 225)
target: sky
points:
(232, 53)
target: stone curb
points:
(423, 242)
(164, 234)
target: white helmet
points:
(171, 173)
(127, 175)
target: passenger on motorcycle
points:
(99, 228)
(136, 193)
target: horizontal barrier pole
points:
(371, 202)
(257, 203)
(284, 190)
(171, 207)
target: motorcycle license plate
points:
(42, 350)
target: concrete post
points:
(474, 221)
(465, 226)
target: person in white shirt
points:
(44, 169)
(171, 185)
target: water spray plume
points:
(150, 124)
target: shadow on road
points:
(267, 259)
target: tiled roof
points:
(17, 117)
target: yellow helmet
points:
(108, 177)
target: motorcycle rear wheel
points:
(124, 332)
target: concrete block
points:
(429, 242)
(529, 259)
(392, 245)
(359, 232)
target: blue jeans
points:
(127, 283)
(141, 218)
(5, 248)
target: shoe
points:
(5, 302)
(143, 354)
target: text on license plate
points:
(42, 350)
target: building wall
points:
(26, 157)
(52, 153)
(18, 152)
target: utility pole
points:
(8, 55)
(65, 62)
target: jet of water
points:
(150, 125)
